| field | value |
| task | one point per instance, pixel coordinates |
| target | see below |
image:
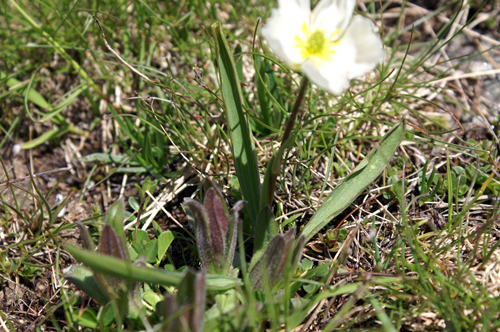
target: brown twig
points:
(118, 56)
(8, 182)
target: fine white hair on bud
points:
(327, 44)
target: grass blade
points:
(366, 172)
(245, 160)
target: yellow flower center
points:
(317, 46)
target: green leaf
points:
(382, 316)
(265, 229)
(69, 99)
(107, 158)
(268, 94)
(83, 278)
(115, 217)
(164, 241)
(354, 184)
(260, 82)
(107, 316)
(88, 243)
(151, 250)
(306, 264)
(47, 38)
(147, 186)
(139, 250)
(151, 298)
(88, 318)
(134, 203)
(126, 271)
(33, 96)
(295, 319)
(45, 137)
(272, 172)
(245, 160)
(310, 288)
(238, 62)
(134, 296)
(142, 237)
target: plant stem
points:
(291, 120)
(274, 165)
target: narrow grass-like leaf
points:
(51, 41)
(232, 235)
(362, 176)
(387, 325)
(265, 229)
(45, 137)
(260, 77)
(67, 101)
(297, 252)
(297, 317)
(115, 218)
(33, 96)
(134, 297)
(272, 172)
(124, 270)
(85, 236)
(245, 160)
(107, 158)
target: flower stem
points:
(274, 165)
(291, 120)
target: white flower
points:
(325, 44)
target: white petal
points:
(283, 27)
(368, 46)
(304, 5)
(330, 78)
(333, 15)
(357, 53)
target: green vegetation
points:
(162, 125)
